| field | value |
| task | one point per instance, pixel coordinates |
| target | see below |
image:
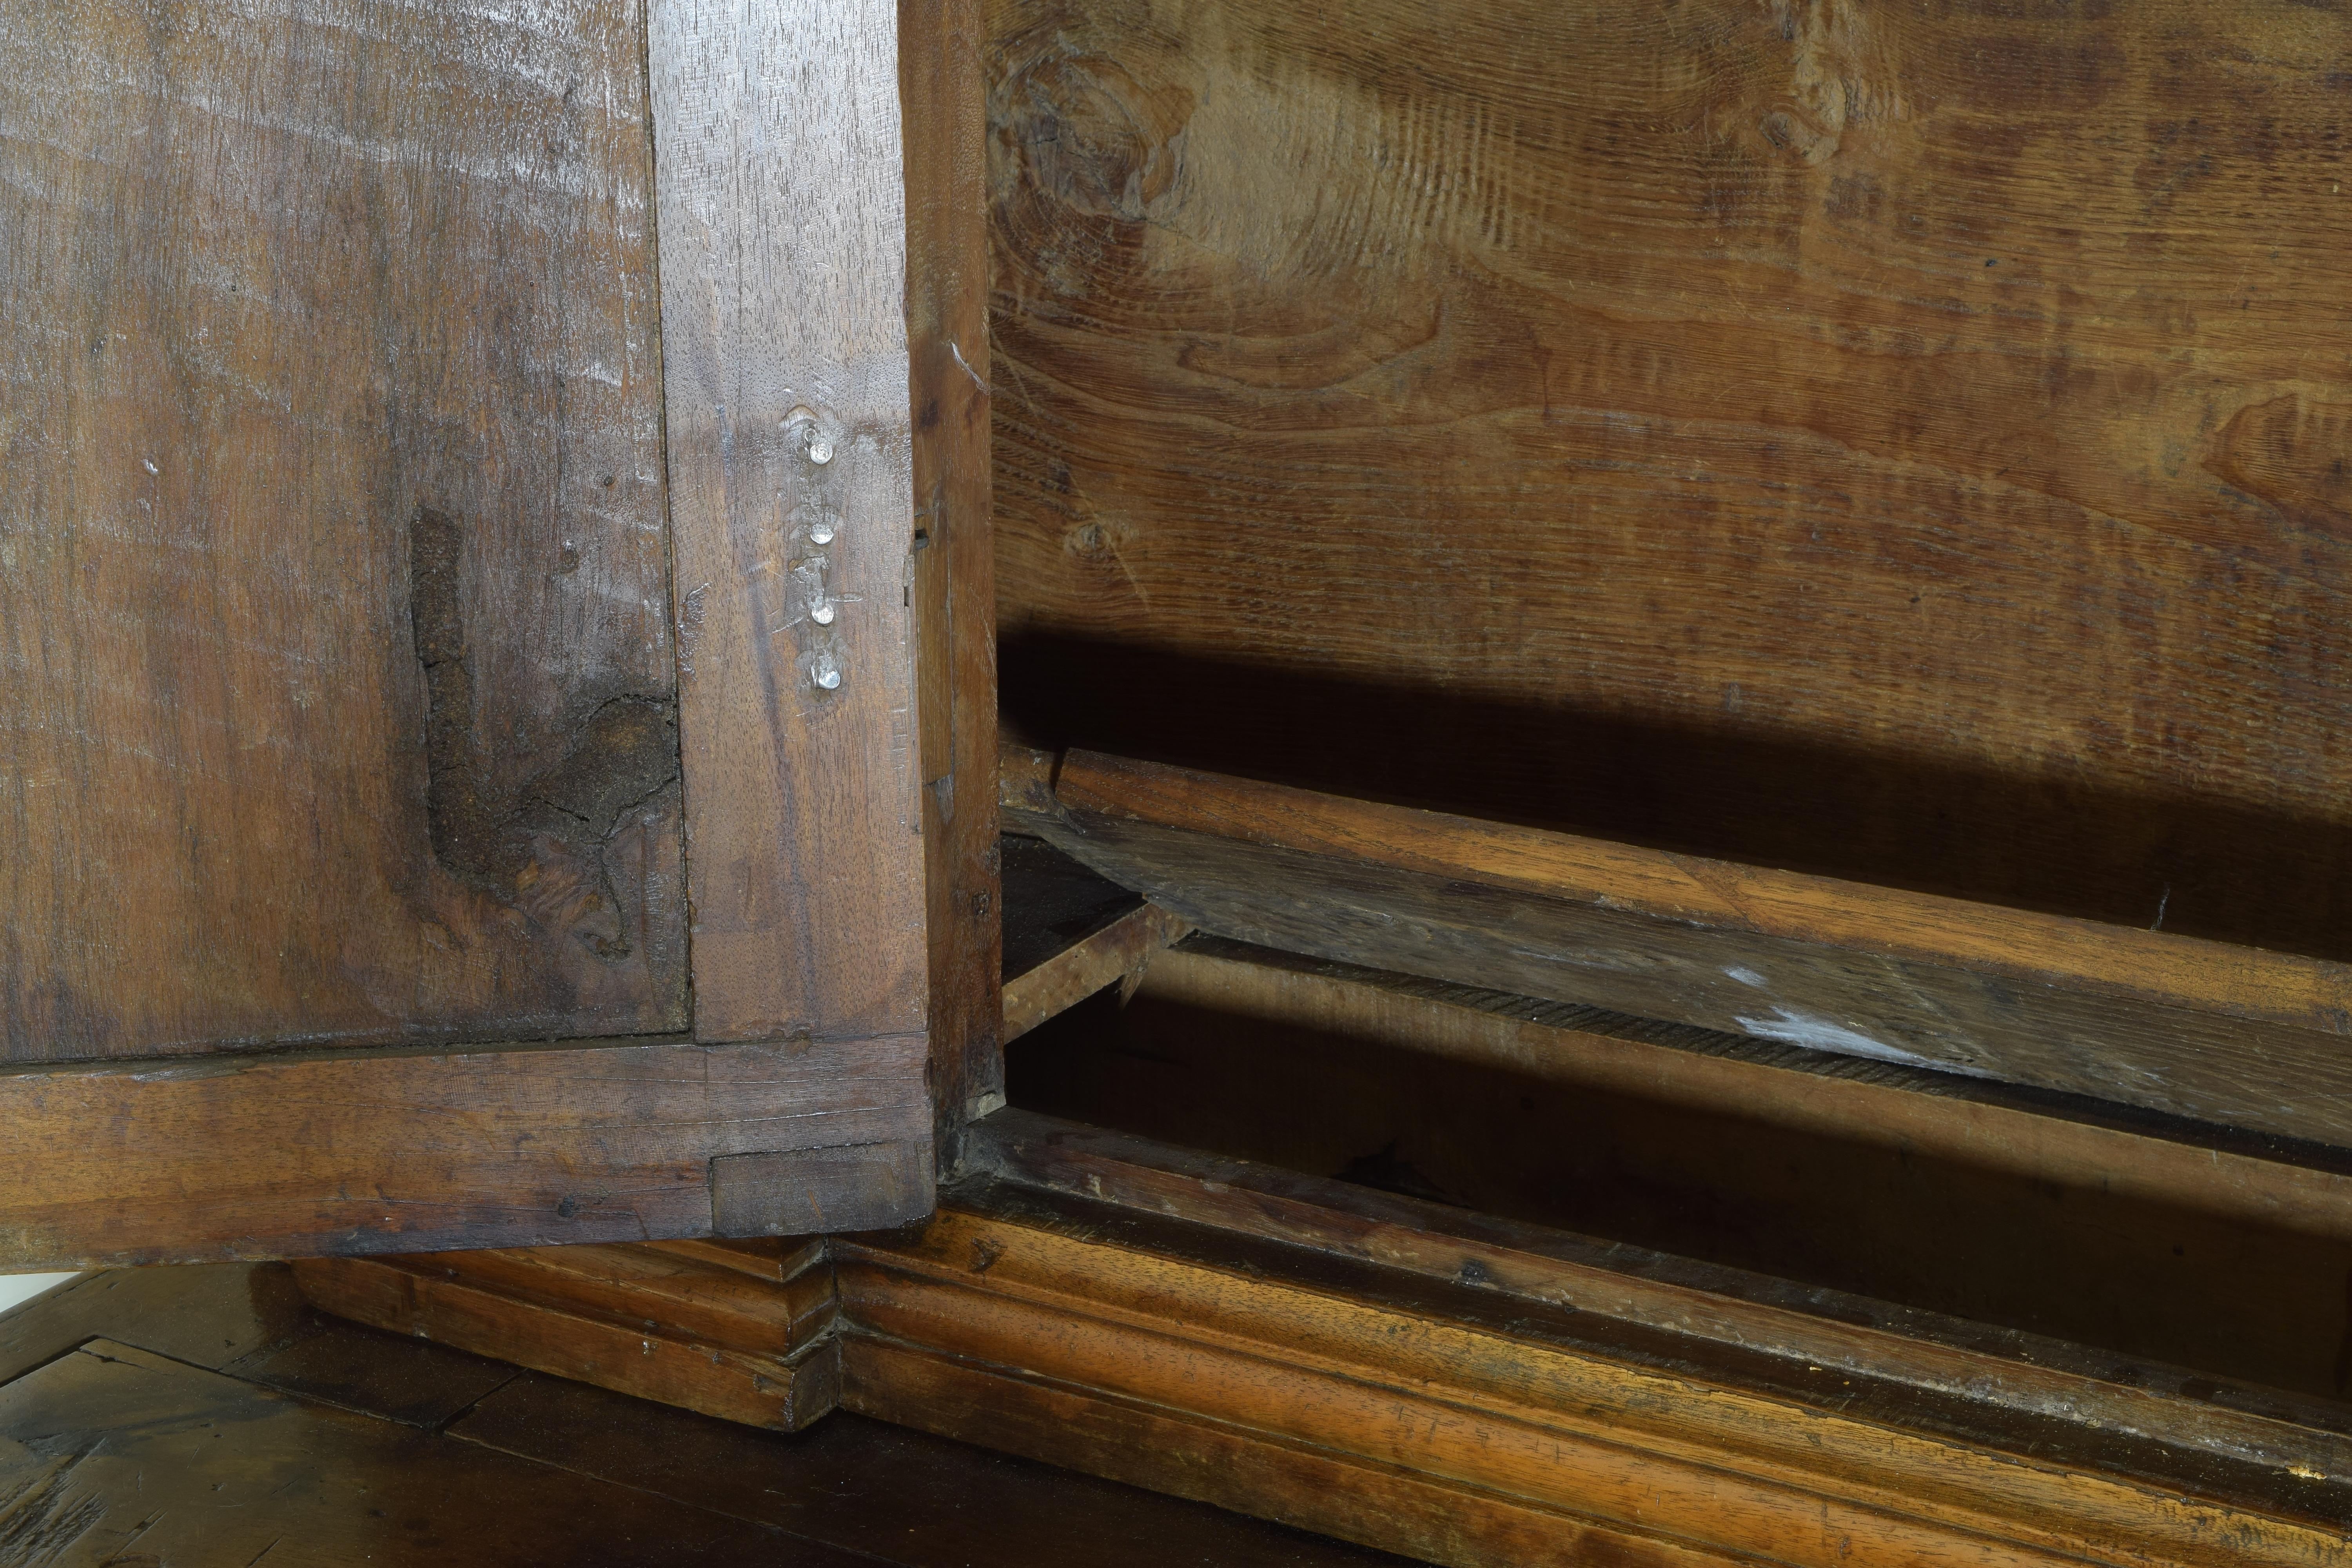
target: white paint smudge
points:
(1822, 1035)
(1745, 976)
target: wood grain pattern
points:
(885, 1494)
(1900, 445)
(336, 685)
(378, 1153)
(206, 1317)
(783, 289)
(1782, 1320)
(1120, 1343)
(1235, 1469)
(809, 1192)
(2174, 1023)
(943, 99)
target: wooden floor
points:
(200, 1416)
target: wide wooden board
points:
(336, 691)
(1899, 443)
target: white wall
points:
(16, 1288)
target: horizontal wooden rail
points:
(2173, 1023)
(406, 1150)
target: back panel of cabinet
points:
(1899, 443)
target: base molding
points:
(742, 1330)
(1461, 1389)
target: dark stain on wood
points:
(553, 835)
(300, 286)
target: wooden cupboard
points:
(481, 708)
(1710, 628)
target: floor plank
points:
(902, 1496)
(112, 1454)
(205, 1413)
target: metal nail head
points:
(822, 615)
(820, 450)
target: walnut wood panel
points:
(783, 289)
(2174, 1023)
(943, 97)
(1896, 444)
(336, 690)
(260, 1157)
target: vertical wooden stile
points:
(944, 86)
(782, 249)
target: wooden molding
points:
(2188, 1029)
(2066, 1143)
(1459, 1388)
(739, 1330)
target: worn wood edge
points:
(406, 1150)
(943, 99)
(1115, 952)
(784, 1393)
(777, 1260)
(1806, 1327)
(2181, 970)
(2259, 1178)
(1502, 1413)
(1390, 1508)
